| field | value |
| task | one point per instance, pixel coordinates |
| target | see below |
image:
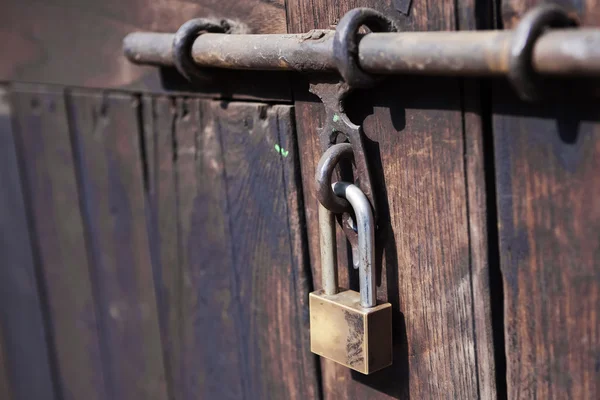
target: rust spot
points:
(314, 34)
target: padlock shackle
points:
(365, 224)
(327, 241)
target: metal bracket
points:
(337, 123)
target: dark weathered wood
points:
(209, 310)
(233, 286)
(300, 262)
(59, 234)
(433, 257)
(474, 15)
(25, 366)
(547, 163)
(267, 286)
(149, 154)
(189, 208)
(478, 239)
(162, 186)
(106, 131)
(79, 43)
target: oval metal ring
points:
(324, 173)
(184, 39)
(530, 28)
(345, 45)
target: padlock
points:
(346, 326)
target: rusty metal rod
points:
(466, 53)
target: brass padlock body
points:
(343, 331)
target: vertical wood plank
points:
(432, 255)
(292, 178)
(270, 309)
(474, 15)
(209, 308)
(163, 188)
(173, 173)
(547, 163)
(207, 370)
(547, 181)
(149, 154)
(237, 288)
(25, 369)
(478, 241)
(106, 129)
(59, 234)
(424, 173)
(194, 250)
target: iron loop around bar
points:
(324, 173)
(185, 37)
(533, 25)
(345, 45)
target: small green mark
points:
(336, 118)
(281, 150)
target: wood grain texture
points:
(478, 239)
(233, 279)
(106, 129)
(473, 15)
(547, 163)
(186, 128)
(268, 282)
(163, 192)
(433, 256)
(301, 272)
(547, 183)
(25, 366)
(59, 233)
(60, 236)
(79, 43)
(209, 309)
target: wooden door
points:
(159, 239)
(427, 162)
(546, 162)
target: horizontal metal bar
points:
(466, 53)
